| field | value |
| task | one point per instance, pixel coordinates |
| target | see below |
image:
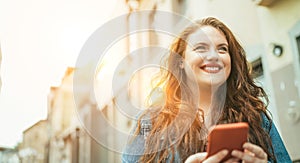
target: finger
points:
(243, 156)
(249, 153)
(258, 151)
(232, 160)
(216, 157)
(196, 158)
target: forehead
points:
(207, 34)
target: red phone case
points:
(227, 136)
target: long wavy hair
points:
(178, 126)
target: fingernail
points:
(233, 152)
(225, 152)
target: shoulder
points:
(145, 125)
(135, 144)
(266, 121)
(280, 151)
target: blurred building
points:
(61, 118)
(33, 147)
(75, 123)
(9, 155)
(63, 128)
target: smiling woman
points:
(208, 83)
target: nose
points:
(212, 55)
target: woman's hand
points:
(252, 153)
(200, 157)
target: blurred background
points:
(40, 42)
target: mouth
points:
(211, 68)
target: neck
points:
(205, 99)
(204, 96)
(207, 94)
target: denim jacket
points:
(135, 147)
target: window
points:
(257, 68)
(298, 47)
(295, 43)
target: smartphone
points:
(227, 136)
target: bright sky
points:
(39, 40)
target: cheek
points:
(189, 61)
(192, 59)
(226, 60)
(227, 63)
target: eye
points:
(223, 49)
(201, 48)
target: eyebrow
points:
(200, 43)
(223, 44)
(203, 43)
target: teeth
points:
(212, 68)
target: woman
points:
(208, 82)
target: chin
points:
(213, 84)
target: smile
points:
(211, 69)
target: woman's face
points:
(207, 57)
